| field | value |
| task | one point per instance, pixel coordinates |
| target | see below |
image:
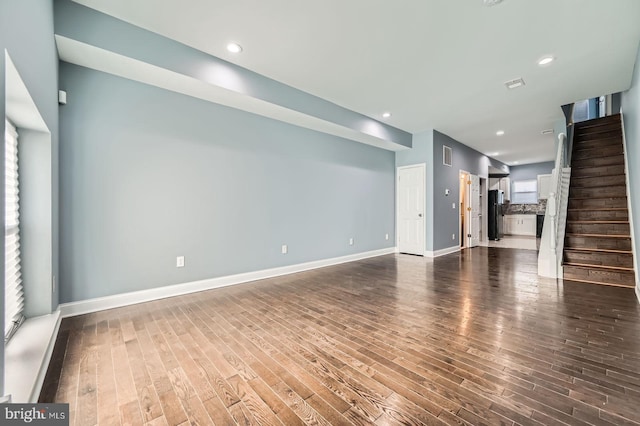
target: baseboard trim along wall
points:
(118, 300)
(442, 252)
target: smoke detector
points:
(490, 3)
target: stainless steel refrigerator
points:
(496, 198)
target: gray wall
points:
(445, 218)
(422, 152)
(530, 171)
(631, 115)
(148, 174)
(26, 32)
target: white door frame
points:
(467, 214)
(424, 201)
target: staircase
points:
(597, 247)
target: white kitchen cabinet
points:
(503, 184)
(544, 186)
(519, 224)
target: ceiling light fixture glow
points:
(234, 48)
(490, 3)
(386, 114)
(515, 162)
(500, 132)
(545, 60)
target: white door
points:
(475, 210)
(411, 192)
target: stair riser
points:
(591, 182)
(598, 228)
(599, 258)
(580, 169)
(597, 243)
(598, 215)
(601, 128)
(606, 151)
(614, 160)
(598, 203)
(596, 143)
(601, 192)
(604, 277)
(593, 134)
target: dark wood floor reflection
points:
(472, 338)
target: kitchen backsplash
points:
(525, 208)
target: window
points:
(13, 294)
(525, 192)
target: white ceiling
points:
(433, 63)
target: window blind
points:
(13, 293)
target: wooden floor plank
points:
(474, 337)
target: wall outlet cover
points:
(285, 249)
(180, 262)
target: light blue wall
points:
(445, 218)
(148, 174)
(26, 32)
(631, 115)
(530, 171)
(422, 153)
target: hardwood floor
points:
(469, 338)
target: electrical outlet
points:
(386, 236)
(453, 236)
(453, 205)
(285, 249)
(180, 262)
(350, 241)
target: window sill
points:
(27, 355)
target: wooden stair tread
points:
(599, 209)
(598, 283)
(615, 222)
(597, 250)
(602, 198)
(601, 267)
(599, 235)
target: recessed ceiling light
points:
(500, 132)
(234, 48)
(386, 114)
(493, 154)
(515, 83)
(546, 60)
(514, 162)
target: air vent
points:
(447, 155)
(514, 84)
(547, 132)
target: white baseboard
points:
(118, 300)
(442, 252)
